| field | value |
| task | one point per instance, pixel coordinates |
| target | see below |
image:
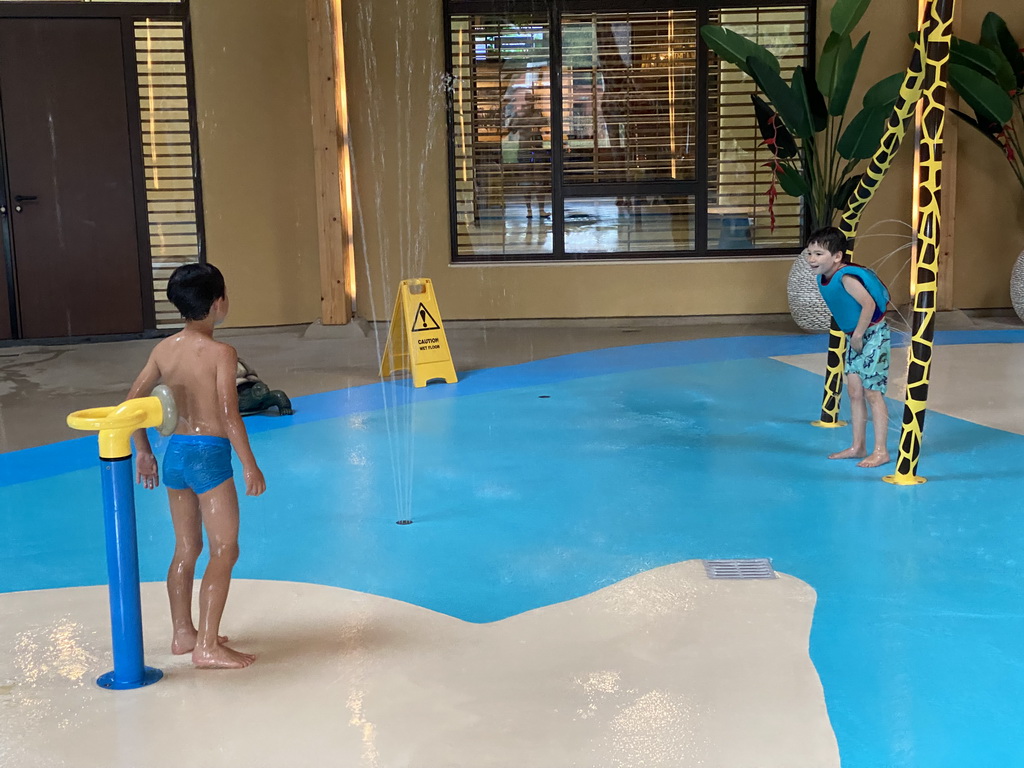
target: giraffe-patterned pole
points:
(937, 34)
(834, 367)
(895, 130)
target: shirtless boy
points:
(197, 465)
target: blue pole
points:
(123, 578)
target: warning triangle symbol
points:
(424, 321)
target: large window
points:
(614, 133)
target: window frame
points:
(696, 188)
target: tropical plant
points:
(816, 154)
(989, 76)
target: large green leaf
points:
(807, 92)
(978, 57)
(792, 181)
(836, 50)
(997, 37)
(773, 130)
(986, 98)
(847, 76)
(735, 48)
(885, 93)
(846, 14)
(786, 103)
(862, 136)
(984, 60)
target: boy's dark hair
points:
(832, 240)
(193, 288)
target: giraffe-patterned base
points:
(899, 479)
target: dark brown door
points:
(6, 331)
(71, 208)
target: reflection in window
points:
(629, 96)
(628, 224)
(501, 94)
(607, 162)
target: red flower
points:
(773, 192)
(773, 189)
(1004, 142)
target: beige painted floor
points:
(990, 373)
(665, 669)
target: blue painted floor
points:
(537, 483)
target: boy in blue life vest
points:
(857, 300)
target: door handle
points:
(24, 198)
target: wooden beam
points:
(947, 235)
(331, 161)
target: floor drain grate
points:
(749, 568)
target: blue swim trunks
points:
(199, 462)
(872, 362)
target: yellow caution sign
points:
(416, 340)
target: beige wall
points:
(253, 95)
(989, 203)
(255, 143)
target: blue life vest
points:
(843, 306)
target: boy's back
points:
(197, 368)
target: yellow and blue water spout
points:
(115, 425)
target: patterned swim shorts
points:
(871, 364)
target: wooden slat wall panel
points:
(169, 155)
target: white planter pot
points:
(808, 309)
(1017, 286)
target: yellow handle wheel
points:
(112, 417)
(116, 423)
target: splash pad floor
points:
(555, 501)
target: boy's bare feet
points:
(221, 657)
(850, 453)
(876, 459)
(185, 641)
